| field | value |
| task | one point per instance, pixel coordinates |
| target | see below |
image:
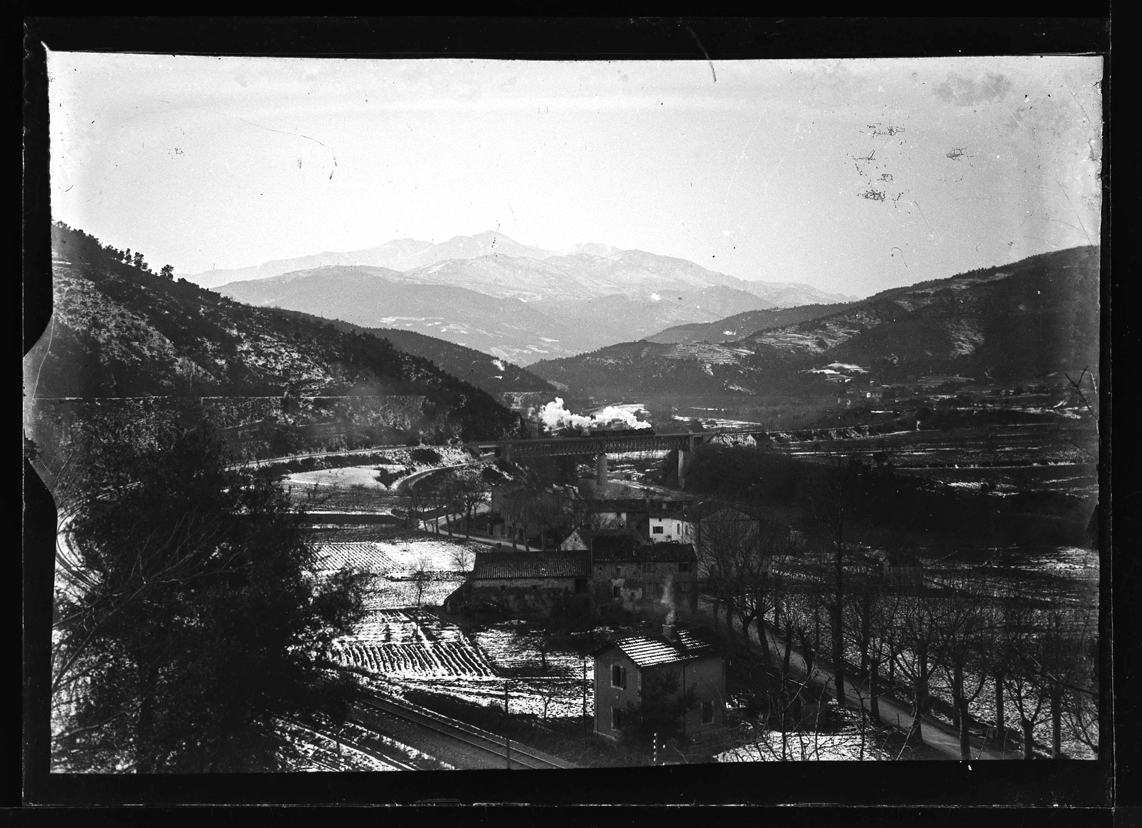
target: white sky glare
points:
(850, 175)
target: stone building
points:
(629, 670)
(604, 541)
(656, 578)
(525, 584)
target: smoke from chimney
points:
(667, 600)
(668, 628)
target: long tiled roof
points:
(616, 505)
(512, 564)
(650, 652)
(664, 551)
(606, 544)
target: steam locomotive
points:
(584, 431)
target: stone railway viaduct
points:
(600, 445)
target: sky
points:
(849, 175)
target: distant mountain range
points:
(1033, 318)
(514, 302)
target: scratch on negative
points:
(271, 129)
(1076, 212)
(703, 48)
(742, 155)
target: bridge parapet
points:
(595, 445)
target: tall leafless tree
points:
(963, 637)
(469, 493)
(834, 510)
(913, 640)
(1020, 682)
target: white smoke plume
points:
(555, 416)
(667, 600)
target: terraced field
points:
(411, 644)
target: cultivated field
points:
(412, 644)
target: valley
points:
(968, 449)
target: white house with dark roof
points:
(623, 667)
(667, 523)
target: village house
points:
(666, 522)
(537, 584)
(872, 391)
(632, 512)
(656, 578)
(628, 669)
(603, 541)
(901, 570)
(522, 517)
(719, 524)
(613, 512)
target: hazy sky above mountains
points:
(852, 176)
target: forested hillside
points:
(119, 330)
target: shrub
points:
(425, 456)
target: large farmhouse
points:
(634, 672)
(660, 578)
(525, 583)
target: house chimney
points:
(668, 631)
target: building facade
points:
(630, 672)
(525, 584)
(656, 578)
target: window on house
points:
(616, 718)
(618, 572)
(657, 530)
(685, 586)
(618, 675)
(616, 592)
(648, 567)
(683, 567)
(707, 712)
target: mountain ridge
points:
(1031, 318)
(120, 331)
(411, 254)
(516, 307)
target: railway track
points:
(347, 743)
(511, 753)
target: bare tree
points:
(962, 637)
(462, 558)
(417, 500)
(1081, 703)
(515, 509)
(727, 540)
(1058, 664)
(833, 509)
(548, 510)
(913, 639)
(438, 490)
(1020, 679)
(421, 576)
(469, 492)
(871, 615)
